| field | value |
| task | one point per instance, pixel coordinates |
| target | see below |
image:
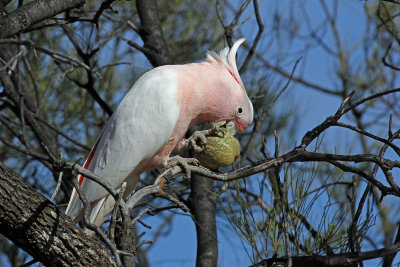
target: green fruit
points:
(221, 150)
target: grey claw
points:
(183, 163)
(219, 130)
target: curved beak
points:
(241, 126)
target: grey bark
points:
(126, 241)
(34, 12)
(202, 206)
(155, 45)
(36, 225)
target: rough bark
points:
(155, 46)
(35, 224)
(33, 12)
(202, 206)
(125, 240)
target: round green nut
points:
(221, 150)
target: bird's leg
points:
(183, 163)
(198, 139)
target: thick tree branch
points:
(202, 206)
(33, 12)
(156, 49)
(35, 224)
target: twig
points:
(29, 263)
(57, 187)
(387, 142)
(57, 56)
(62, 133)
(352, 106)
(34, 154)
(95, 70)
(147, 210)
(151, 189)
(12, 63)
(141, 243)
(387, 64)
(392, 1)
(96, 228)
(341, 259)
(229, 29)
(178, 203)
(282, 189)
(300, 80)
(252, 49)
(133, 26)
(260, 121)
(89, 84)
(104, 5)
(143, 224)
(331, 120)
(115, 210)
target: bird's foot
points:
(183, 163)
(198, 139)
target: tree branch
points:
(156, 49)
(35, 224)
(33, 12)
(342, 259)
(202, 206)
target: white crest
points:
(227, 57)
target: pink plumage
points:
(152, 119)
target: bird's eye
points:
(240, 110)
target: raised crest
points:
(227, 57)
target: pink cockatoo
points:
(151, 122)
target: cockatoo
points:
(151, 122)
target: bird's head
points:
(243, 114)
(233, 103)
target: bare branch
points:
(57, 56)
(156, 48)
(391, 1)
(342, 259)
(252, 50)
(33, 12)
(260, 121)
(106, 4)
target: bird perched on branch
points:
(151, 122)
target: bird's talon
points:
(184, 164)
(197, 148)
(194, 162)
(218, 129)
(197, 141)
